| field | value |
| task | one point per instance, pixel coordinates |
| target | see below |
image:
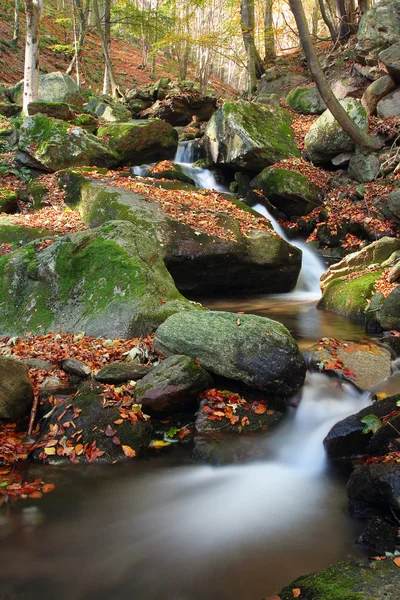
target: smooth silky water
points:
(163, 528)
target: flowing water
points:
(164, 528)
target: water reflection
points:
(304, 321)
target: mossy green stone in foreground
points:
(349, 581)
(108, 281)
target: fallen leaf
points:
(397, 561)
(128, 451)
(296, 592)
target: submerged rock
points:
(363, 363)
(107, 281)
(253, 350)
(249, 136)
(16, 392)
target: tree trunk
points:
(315, 18)
(247, 22)
(79, 37)
(361, 139)
(14, 41)
(107, 41)
(33, 10)
(114, 88)
(344, 27)
(364, 5)
(269, 34)
(327, 21)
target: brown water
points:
(167, 529)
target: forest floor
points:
(126, 56)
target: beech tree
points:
(33, 10)
(361, 139)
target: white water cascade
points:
(312, 266)
(185, 156)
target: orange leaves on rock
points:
(258, 408)
(221, 405)
(13, 487)
(397, 561)
(128, 451)
(296, 592)
(109, 431)
(14, 445)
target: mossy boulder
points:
(8, 201)
(108, 110)
(348, 581)
(108, 281)
(179, 109)
(53, 87)
(16, 391)
(172, 385)
(18, 235)
(306, 101)
(253, 350)
(37, 192)
(325, 138)
(348, 287)
(51, 144)
(120, 372)
(249, 136)
(289, 191)
(101, 439)
(140, 142)
(260, 261)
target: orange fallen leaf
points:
(128, 451)
(397, 561)
(48, 487)
(296, 592)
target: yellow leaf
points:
(50, 451)
(159, 444)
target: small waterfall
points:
(186, 154)
(312, 266)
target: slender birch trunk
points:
(33, 10)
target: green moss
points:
(334, 583)
(18, 235)
(100, 268)
(349, 298)
(264, 124)
(8, 200)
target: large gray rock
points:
(289, 191)
(281, 85)
(254, 350)
(389, 315)
(325, 138)
(391, 59)
(53, 87)
(364, 167)
(108, 110)
(375, 92)
(51, 144)
(139, 142)
(378, 29)
(16, 391)
(172, 385)
(108, 281)
(393, 204)
(249, 136)
(200, 262)
(374, 488)
(306, 101)
(389, 106)
(180, 109)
